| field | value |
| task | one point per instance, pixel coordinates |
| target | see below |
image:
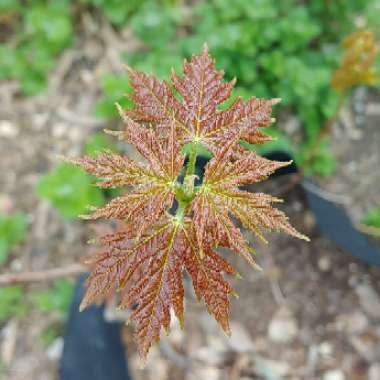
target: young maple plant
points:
(145, 258)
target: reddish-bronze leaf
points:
(143, 261)
(155, 102)
(207, 276)
(248, 115)
(152, 191)
(202, 90)
(219, 197)
(197, 117)
(113, 170)
(158, 257)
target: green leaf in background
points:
(41, 31)
(286, 49)
(97, 143)
(115, 88)
(372, 217)
(117, 11)
(156, 23)
(49, 23)
(323, 163)
(12, 232)
(10, 5)
(58, 298)
(12, 303)
(70, 190)
(49, 334)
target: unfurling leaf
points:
(145, 258)
(357, 66)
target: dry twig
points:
(46, 275)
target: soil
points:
(306, 316)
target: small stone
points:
(87, 76)
(325, 349)
(240, 340)
(8, 129)
(277, 369)
(16, 265)
(374, 372)
(334, 374)
(324, 264)
(369, 300)
(59, 130)
(283, 326)
(54, 351)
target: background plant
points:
(294, 57)
(372, 217)
(16, 302)
(12, 232)
(40, 31)
(70, 190)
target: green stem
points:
(324, 131)
(192, 159)
(185, 193)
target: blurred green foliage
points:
(114, 89)
(42, 29)
(286, 49)
(12, 232)
(12, 303)
(97, 143)
(57, 299)
(118, 11)
(50, 333)
(70, 190)
(372, 217)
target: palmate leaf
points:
(197, 117)
(158, 257)
(145, 258)
(152, 183)
(220, 196)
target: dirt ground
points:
(313, 313)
